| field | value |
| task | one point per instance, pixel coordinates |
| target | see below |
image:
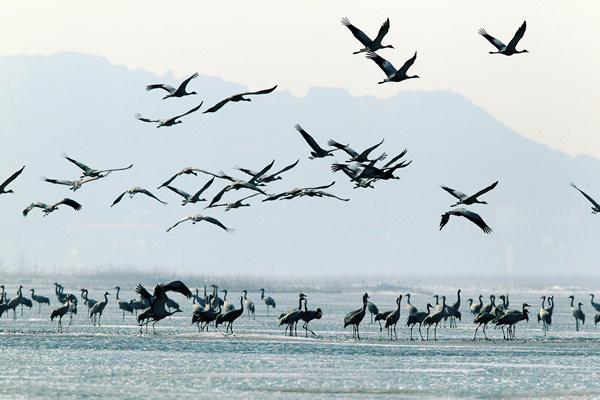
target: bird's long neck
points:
(572, 300)
(241, 304)
(262, 295)
(399, 301)
(300, 303)
(118, 289)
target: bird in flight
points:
(237, 97)
(74, 184)
(200, 217)
(317, 152)
(471, 216)
(52, 207)
(168, 121)
(596, 206)
(179, 92)
(370, 45)
(9, 180)
(510, 49)
(468, 200)
(188, 198)
(133, 191)
(87, 171)
(393, 75)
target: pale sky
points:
(550, 95)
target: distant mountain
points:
(84, 106)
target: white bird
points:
(238, 97)
(468, 200)
(596, 206)
(179, 92)
(168, 121)
(52, 207)
(393, 75)
(188, 198)
(317, 152)
(87, 171)
(200, 217)
(133, 191)
(9, 180)
(510, 49)
(470, 215)
(74, 184)
(370, 45)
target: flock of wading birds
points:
(362, 170)
(211, 308)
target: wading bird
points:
(370, 45)
(577, 313)
(418, 318)
(510, 49)
(157, 311)
(168, 121)
(123, 305)
(355, 317)
(393, 75)
(9, 180)
(468, 200)
(249, 304)
(133, 191)
(238, 97)
(52, 207)
(87, 171)
(309, 315)
(200, 217)
(470, 215)
(98, 308)
(269, 302)
(230, 316)
(179, 92)
(61, 311)
(39, 299)
(596, 206)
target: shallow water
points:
(257, 361)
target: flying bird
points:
(179, 92)
(187, 171)
(267, 178)
(317, 152)
(290, 194)
(354, 156)
(596, 206)
(502, 48)
(237, 97)
(468, 200)
(133, 191)
(370, 45)
(52, 207)
(393, 75)
(188, 198)
(74, 184)
(9, 180)
(87, 171)
(233, 204)
(471, 216)
(168, 121)
(200, 217)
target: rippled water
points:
(116, 361)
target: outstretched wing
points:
(164, 86)
(518, 35)
(445, 219)
(455, 193)
(139, 116)
(115, 169)
(183, 194)
(485, 190)
(498, 44)
(345, 148)
(366, 153)
(11, 178)
(256, 177)
(476, 219)
(385, 27)
(286, 168)
(118, 199)
(32, 205)
(586, 196)
(143, 292)
(408, 64)
(184, 83)
(196, 196)
(217, 223)
(309, 139)
(217, 106)
(384, 64)
(264, 91)
(173, 286)
(81, 165)
(189, 112)
(68, 202)
(360, 35)
(178, 222)
(147, 193)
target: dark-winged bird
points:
(238, 97)
(468, 200)
(393, 75)
(370, 45)
(471, 216)
(179, 92)
(596, 206)
(9, 180)
(52, 207)
(510, 49)
(168, 121)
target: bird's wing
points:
(385, 27)
(143, 292)
(179, 192)
(32, 205)
(164, 86)
(147, 193)
(217, 106)
(360, 35)
(321, 193)
(586, 196)
(81, 165)
(58, 181)
(11, 178)
(322, 187)
(309, 139)
(189, 112)
(476, 219)
(393, 160)
(264, 91)
(445, 219)
(261, 173)
(366, 153)
(184, 83)
(404, 69)
(518, 35)
(196, 197)
(455, 193)
(175, 286)
(178, 222)
(287, 168)
(218, 223)
(498, 44)
(118, 199)
(246, 171)
(69, 202)
(219, 195)
(340, 146)
(487, 189)
(384, 64)
(115, 169)
(139, 116)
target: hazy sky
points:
(550, 94)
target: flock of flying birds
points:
(362, 170)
